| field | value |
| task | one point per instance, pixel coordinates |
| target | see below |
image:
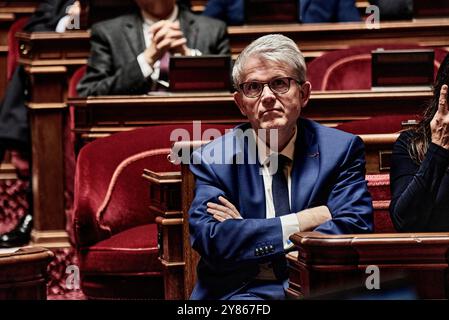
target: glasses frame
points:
(267, 83)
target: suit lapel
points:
(251, 188)
(189, 27)
(133, 30)
(306, 167)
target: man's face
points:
(272, 110)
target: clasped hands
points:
(166, 36)
(308, 219)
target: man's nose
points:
(267, 94)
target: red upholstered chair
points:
(69, 148)
(73, 82)
(115, 234)
(350, 69)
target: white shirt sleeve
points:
(290, 225)
(145, 67)
(62, 24)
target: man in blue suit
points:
(238, 221)
(310, 11)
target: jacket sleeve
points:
(349, 200)
(232, 241)
(103, 77)
(219, 39)
(414, 187)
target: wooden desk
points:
(315, 39)
(23, 274)
(97, 117)
(50, 59)
(328, 264)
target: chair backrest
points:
(110, 193)
(69, 149)
(13, 46)
(350, 69)
(74, 80)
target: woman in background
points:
(419, 174)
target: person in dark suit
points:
(269, 178)
(14, 127)
(310, 11)
(419, 175)
(394, 10)
(127, 52)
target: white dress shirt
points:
(289, 222)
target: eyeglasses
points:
(253, 89)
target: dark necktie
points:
(279, 189)
(164, 67)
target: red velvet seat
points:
(115, 234)
(350, 69)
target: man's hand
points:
(179, 46)
(224, 211)
(439, 126)
(167, 36)
(311, 218)
(74, 10)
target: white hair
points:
(272, 47)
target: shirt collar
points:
(150, 20)
(264, 154)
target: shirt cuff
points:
(62, 24)
(145, 67)
(195, 53)
(290, 225)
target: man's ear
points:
(306, 89)
(238, 98)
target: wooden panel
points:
(23, 274)
(329, 264)
(100, 116)
(49, 59)
(165, 204)
(315, 39)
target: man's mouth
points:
(270, 111)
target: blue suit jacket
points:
(311, 11)
(328, 169)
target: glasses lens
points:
(252, 89)
(280, 85)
